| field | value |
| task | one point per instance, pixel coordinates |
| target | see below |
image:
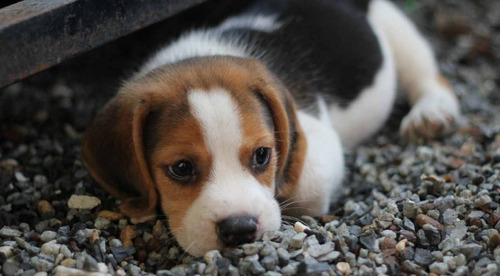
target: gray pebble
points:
(269, 262)
(101, 223)
(267, 249)
(432, 234)
(9, 268)
(408, 224)
(283, 256)
(252, 248)
(320, 250)
(461, 271)
(410, 209)
(212, 256)
(368, 239)
(423, 257)
(298, 240)
(134, 270)
(42, 263)
(115, 243)
(47, 236)
(7, 232)
(482, 200)
(290, 269)
(329, 257)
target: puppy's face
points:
(216, 164)
(205, 139)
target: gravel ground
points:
(406, 209)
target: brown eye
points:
(182, 171)
(260, 159)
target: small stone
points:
(368, 239)
(313, 268)
(115, 243)
(83, 202)
(423, 219)
(283, 256)
(212, 256)
(7, 232)
(127, 234)
(94, 236)
(109, 215)
(494, 241)
(470, 250)
(317, 251)
(158, 229)
(410, 209)
(20, 177)
(343, 268)
(51, 248)
(401, 245)
(45, 209)
(482, 200)
(68, 262)
(269, 262)
(252, 248)
(432, 234)
(101, 223)
(423, 257)
(461, 271)
(298, 240)
(121, 253)
(450, 216)
(9, 163)
(42, 263)
(439, 268)
(9, 268)
(299, 227)
(65, 251)
(6, 251)
(47, 236)
(329, 257)
(408, 224)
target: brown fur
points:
(133, 167)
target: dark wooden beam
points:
(37, 34)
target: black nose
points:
(237, 230)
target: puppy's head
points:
(205, 139)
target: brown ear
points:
(287, 128)
(289, 136)
(113, 151)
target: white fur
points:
(323, 169)
(231, 189)
(417, 69)
(208, 42)
(263, 23)
(367, 113)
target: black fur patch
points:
(324, 46)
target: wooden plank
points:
(37, 34)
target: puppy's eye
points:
(182, 171)
(260, 159)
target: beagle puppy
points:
(224, 123)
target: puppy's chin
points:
(199, 234)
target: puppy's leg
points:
(434, 106)
(322, 172)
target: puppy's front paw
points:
(434, 115)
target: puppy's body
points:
(259, 108)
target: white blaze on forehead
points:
(231, 190)
(219, 117)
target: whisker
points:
(185, 252)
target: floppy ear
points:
(113, 151)
(289, 136)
